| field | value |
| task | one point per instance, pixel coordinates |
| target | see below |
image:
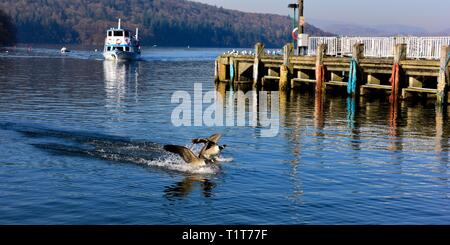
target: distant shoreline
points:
(100, 47)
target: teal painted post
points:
(231, 71)
(357, 54)
(352, 77)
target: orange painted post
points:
(320, 68)
(399, 55)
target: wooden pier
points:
(357, 74)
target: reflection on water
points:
(355, 111)
(351, 112)
(319, 122)
(262, 110)
(406, 139)
(359, 114)
(441, 130)
(118, 76)
(183, 188)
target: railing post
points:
(442, 88)
(259, 50)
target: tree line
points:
(161, 22)
(7, 30)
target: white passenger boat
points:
(120, 44)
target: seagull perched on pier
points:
(233, 52)
(208, 154)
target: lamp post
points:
(301, 18)
(302, 42)
(302, 38)
(294, 22)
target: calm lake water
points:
(81, 143)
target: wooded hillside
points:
(7, 30)
(161, 22)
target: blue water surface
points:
(81, 143)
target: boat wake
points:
(106, 147)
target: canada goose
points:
(211, 149)
(187, 155)
(207, 154)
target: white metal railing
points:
(417, 47)
(334, 47)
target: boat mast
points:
(137, 33)
(118, 27)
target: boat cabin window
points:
(118, 33)
(109, 48)
(109, 33)
(127, 49)
(118, 48)
(127, 34)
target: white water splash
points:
(174, 163)
(167, 161)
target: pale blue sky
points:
(431, 14)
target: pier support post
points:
(222, 69)
(259, 51)
(443, 80)
(232, 70)
(358, 51)
(216, 71)
(355, 70)
(320, 68)
(286, 69)
(399, 55)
